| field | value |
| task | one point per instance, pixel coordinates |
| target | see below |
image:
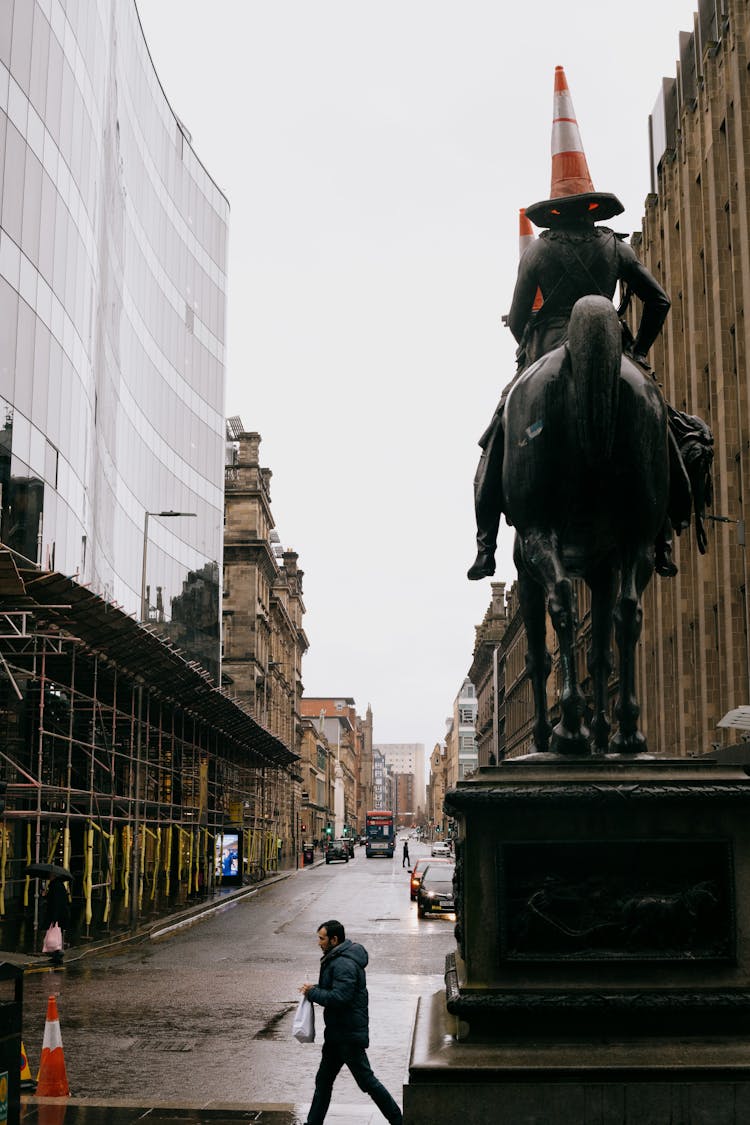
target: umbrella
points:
(49, 871)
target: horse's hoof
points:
(634, 743)
(570, 745)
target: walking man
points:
(405, 856)
(342, 993)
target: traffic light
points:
(329, 830)
(304, 828)
(343, 831)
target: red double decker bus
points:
(380, 834)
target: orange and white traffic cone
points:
(572, 194)
(52, 1080)
(27, 1082)
(525, 238)
(570, 172)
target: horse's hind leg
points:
(628, 617)
(542, 561)
(603, 586)
(538, 659)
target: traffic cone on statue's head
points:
(570, 171)
(525, 238)
(52, 1080)
(572, 194)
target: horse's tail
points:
(595, 346)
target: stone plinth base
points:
(602, 897)
(582, 1081)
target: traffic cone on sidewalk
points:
(27, 1082)
(52, 1080)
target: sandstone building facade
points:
(264, 639)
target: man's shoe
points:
(483, 566)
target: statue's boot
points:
(484, 564)
(664, 563)
(488, 498)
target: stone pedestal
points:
(603, 946)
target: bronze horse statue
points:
(585, 482)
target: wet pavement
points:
(69, 1111)
(164, 1093)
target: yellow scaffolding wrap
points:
(144, 833)
(127, 848)
(3, 861)
(183, 843)
(208, 840)
(53, 845)
(157, 857)
(191, 843)
(167, 860)
(88, 867)
(110, 838)
(269, 859)
(27, 881)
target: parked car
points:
(435, 893)
(440, 848)
(337, 849)
(418, 871)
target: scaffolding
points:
(123, 762)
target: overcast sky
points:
(375, 156)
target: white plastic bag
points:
(303, 1028)
(53, 942)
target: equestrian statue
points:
(583, 456)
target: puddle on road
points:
(152, 1044)
(270, 1029)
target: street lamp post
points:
(161, 515)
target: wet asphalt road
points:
(207, 1011)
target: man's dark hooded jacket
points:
(342, 992)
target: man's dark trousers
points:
(336, 1055)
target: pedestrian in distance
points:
(405, 855)
(342, 993)
(57, 909)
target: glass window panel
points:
(37, 443)
(39, 61)
(40, 387)
(15, 154)
(21, 440)
(20, 52)
(61, 249)
(32, 208)
(47, 228)
(55, 391)
(54, 87)
(50, 463)
(8, 330)
(24, 358)
(78, 115)
(66, 113)
(6, 30)
(3, 125)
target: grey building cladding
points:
(112, 314)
